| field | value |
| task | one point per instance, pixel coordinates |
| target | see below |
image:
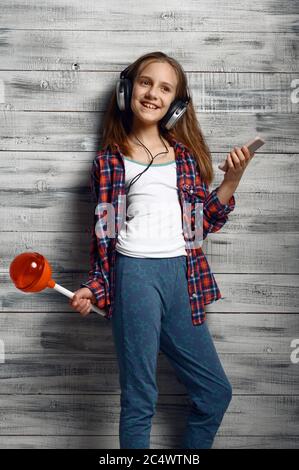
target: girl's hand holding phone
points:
(238, 159)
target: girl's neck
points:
(148, 135)
(149, 140)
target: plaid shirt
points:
(107, 183)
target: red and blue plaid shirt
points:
(107, 183)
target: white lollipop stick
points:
(71, 294)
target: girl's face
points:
(155, 83)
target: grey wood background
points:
(59, 63)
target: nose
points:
(151, 94)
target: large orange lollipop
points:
(31, 272)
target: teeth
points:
(146, 105)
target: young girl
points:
(150, 278)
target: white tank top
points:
(153, 224)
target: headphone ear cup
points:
(174, 113)
(123, 94)
(119, 94)
(128, 94)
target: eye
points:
(147, 81)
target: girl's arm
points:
(215, 212)
(99, 265)
(221, 201)
(237, 162)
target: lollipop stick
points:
(71, 294)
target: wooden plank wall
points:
(59, 64)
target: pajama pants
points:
(151, 312)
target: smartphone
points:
(253, 145)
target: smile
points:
(149, 106)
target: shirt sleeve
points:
(215, 213)
(96, 281)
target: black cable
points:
(136, 177)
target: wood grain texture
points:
(42, 131)
(46, 373)
(206, 15)
(63, 331)
(157, 442)
(97, 414)
(241, 293)
(59, 64)
(228, 92)
(230, 251)
(102, 50)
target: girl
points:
(151, 280)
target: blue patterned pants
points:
(152, 312)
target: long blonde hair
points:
(117, 126)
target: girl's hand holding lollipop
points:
(31, 272)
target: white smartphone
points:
(253, 145)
